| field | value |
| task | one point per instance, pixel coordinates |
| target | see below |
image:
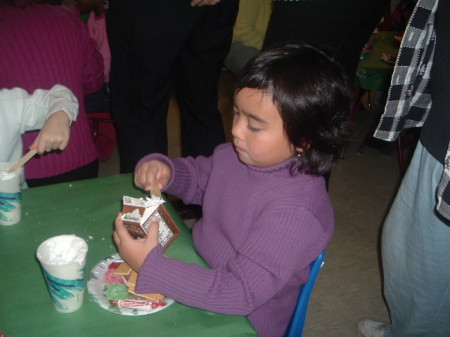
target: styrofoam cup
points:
(63, 259)
(10, 195)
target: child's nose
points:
(236, 129)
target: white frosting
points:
(140, 202)
(62, 250)
(4, 175)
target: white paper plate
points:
(97, 287)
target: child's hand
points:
(153, 173)
(135, 251)
(54, 134)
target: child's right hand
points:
(153, 173)
(54, 135)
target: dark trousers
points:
(340, 27)
(88, 171)
(164, 47)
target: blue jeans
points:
(416, 255)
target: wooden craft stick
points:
(22, 161)
(155, 191)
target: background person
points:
(164, 47)
(415, 242)
(43, 45)
(343, 27)
(248, 33)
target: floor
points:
(361, 187)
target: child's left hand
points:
(54, 135)
(134, 251)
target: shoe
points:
(370, 328)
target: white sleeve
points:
(61, 98)
(31, 111)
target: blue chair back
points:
(295, 328)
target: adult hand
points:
(204, 2)
(134, 251)
(153, 173)
(54, 135)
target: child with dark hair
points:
(266, 211)
(312, 96)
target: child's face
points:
(258, 133)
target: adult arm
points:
(245, 30)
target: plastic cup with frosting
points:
(63, 260)
(10, 195)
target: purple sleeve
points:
(270, 257)
(189, 176)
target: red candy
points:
(113, 265)
(111, 278)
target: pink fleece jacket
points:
(97, 30)
(43, 45)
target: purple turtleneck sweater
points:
(261, 228)
(40, 46)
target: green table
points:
(87, 209)
(372, 72)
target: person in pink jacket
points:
(43, 45)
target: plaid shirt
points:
(409, 98)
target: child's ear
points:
(302, 149)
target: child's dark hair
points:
(313, 96)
